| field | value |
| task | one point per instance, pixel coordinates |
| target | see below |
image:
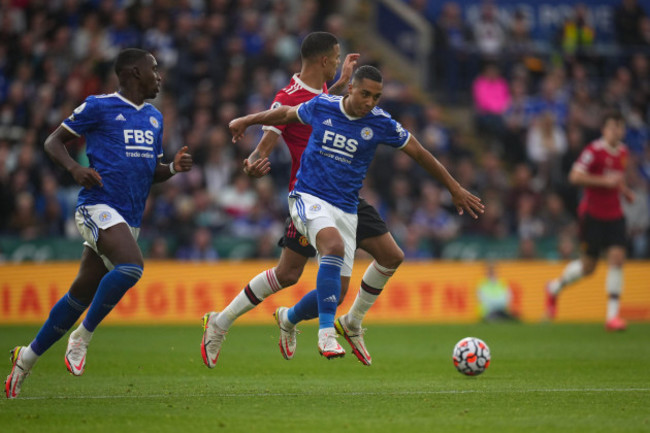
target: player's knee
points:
(393, 260)
(588, 267)
(334, 249)
(288, 276)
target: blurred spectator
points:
(527, 249)
(201, 248)
(529, 223)
(566, 247)
(494, 297)
(627, 17)
(545, 144)
(489, 35)
(577, 36)
(413, 246)
(435, 224)
(637, 131)
(450, 52)
(23, 221)
(637, 214)
(585, 112)
(435, 135)
(159, 249)
(516, 122)
(555, 218)
(50, 206)
(491, 97)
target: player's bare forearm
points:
(182, 162)
(257, 164)
(341, 86)
(580, 178)
(264, 147)
(276, 116)
(55, 149)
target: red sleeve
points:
(585, 160)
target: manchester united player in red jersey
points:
(600, 170)
(320, 55)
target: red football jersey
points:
(296, 135)
(599, 158)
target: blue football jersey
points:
(341, 148)
(123, 143)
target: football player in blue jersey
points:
(345, 134)
(124, 145)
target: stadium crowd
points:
(534, 110)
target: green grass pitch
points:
(543, 378)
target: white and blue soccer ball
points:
(471, 356)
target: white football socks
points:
(614, 288)
(253, 294)
(372, 284)
(572, 272)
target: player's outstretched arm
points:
(55, 148)
(276, 116)
(341, 86)
(610, 180)
(463, 199)
(182, 162)
(257, 164)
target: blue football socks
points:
(328, 286)
(111, 289)
(323, 301)
(305, 309)
(63, 315)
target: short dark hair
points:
(317, 44)
(613, 114)
(129, 57)
(369, 72)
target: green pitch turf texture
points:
(543, 378)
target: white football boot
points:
(19, 373)
(213, 338)
(327, 344)
(355, 338)
(287, 341)
(75, 355)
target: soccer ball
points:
(471, 356)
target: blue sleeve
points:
(159, 145)
(84, 118)
(306, 110)
(395, 135)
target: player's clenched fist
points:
(86, 177)
(237, 128)
(183, 160)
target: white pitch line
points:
(307, 394)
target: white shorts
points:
(311, 214)
(91, 219)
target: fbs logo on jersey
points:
(137, 136)
(341, 144)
